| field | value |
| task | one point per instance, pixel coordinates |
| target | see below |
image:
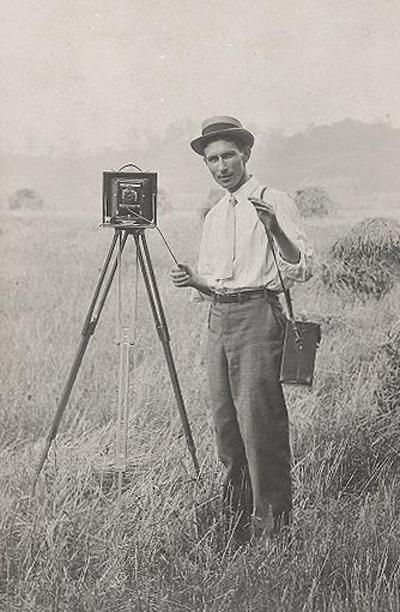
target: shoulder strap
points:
(286, 292)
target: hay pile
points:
(313, 201)
(366, 261)
(214, 196)
(388, 393)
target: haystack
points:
(214, 195)
(388, 392)
(313, 201)
(366, 260)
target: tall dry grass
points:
(71, 546)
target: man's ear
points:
(246, 154)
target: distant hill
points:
(348, 155)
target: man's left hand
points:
(266, 214)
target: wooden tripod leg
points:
(162, 330)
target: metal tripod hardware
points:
(95, 308)
(123, 404)
(124, 340)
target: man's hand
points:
(266, 214)
(184, 276)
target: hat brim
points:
(240, 134)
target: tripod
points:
(101, 291)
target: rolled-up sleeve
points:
(289, 219)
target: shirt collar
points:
(247, 189)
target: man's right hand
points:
(183, 276)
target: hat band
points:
(218, 127)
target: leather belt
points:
(241, 296)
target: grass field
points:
(73, 547)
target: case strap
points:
(286, 292)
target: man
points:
(238, 274)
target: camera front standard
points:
(130, 199)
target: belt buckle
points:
(218, 296)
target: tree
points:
(25, 199)
(164, 201)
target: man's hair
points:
(236, 140)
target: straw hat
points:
(221, 127)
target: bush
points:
(25, 199)
(313, 201)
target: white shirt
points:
(253, 265)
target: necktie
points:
(232, 218)
(228, 242)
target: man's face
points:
(227, 163)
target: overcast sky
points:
(88, 70)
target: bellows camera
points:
(130, 200)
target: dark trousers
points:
(249, 411)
